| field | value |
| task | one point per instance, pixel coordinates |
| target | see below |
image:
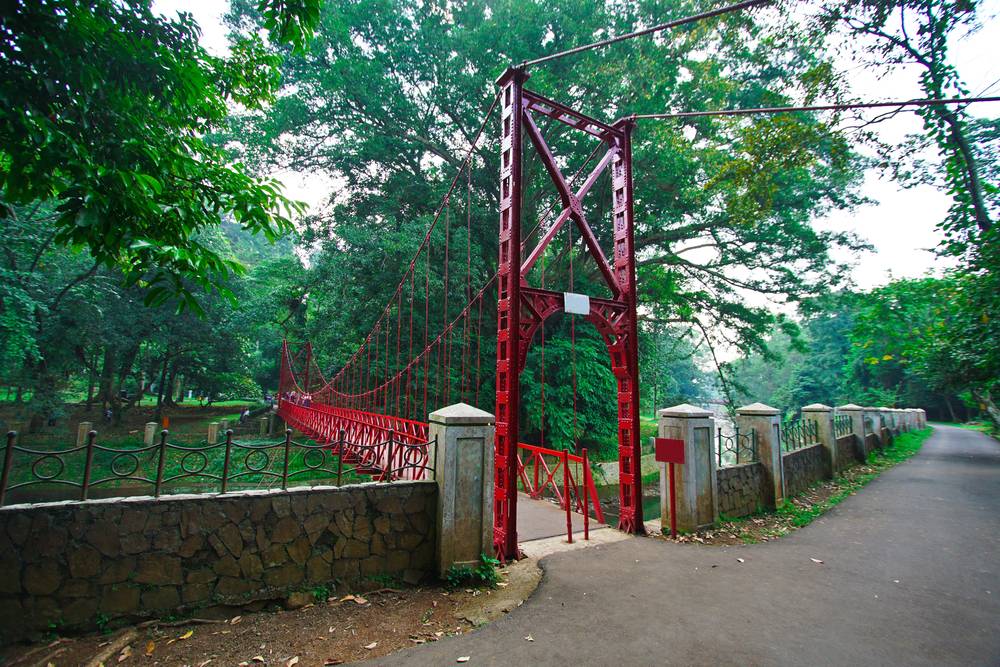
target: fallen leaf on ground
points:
(187, 635)
(347, 598)
(360, 600)
(257, 658)
(125, 654)
(332, 661)
(464, 658)
(292, 662)
(371, 646)
(816, 560)
(331, 629)
(741, 560)
(530, 638)
(204, 662)
(150, 647)
(235, 620)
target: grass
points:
(802, 509)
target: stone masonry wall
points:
(804, 467)
(742, 489)
(847, 451)
(66, 565)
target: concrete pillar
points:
(275, 424)
(213, 433)
(763, 419)
(149, 435)
(857, 415)
(81, 432)
(822, 416)
(223, 425)
(921, 418)
(463, 460)
(694, 481)
(264, 425)
(882, 418)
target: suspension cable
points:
(819, 107)
(740, 6)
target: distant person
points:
(108, 415)
(245, 415)
(307, 400)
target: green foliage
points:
(484, 574)
(107, 110)
(320, 593)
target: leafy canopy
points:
(108, 109)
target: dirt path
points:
(345, 629)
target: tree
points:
(107, 110)
(387, 95)
(917, 32)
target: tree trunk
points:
(992, 410)
(951, 409)
(171, 387)
(159, 389)
(91, 382)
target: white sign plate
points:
(576, 304)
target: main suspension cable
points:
(728, 9)
(819, 107)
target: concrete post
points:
(822, 416)
(764, 420)
(149, 435)
(857, 415)
(275, 425)
(882, 416)
(213, 433)
(463, 460)
(264, 423)
(81, 432)
(921, 418)
(223, 425)
(694, 481)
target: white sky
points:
(901, 225)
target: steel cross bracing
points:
(521, 309)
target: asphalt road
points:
(910, 576)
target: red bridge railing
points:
(543, 473)
(385, 445)
(548, 473)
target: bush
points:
(484, 574)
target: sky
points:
(900, 224)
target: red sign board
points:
(669, 450)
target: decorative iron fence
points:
(72, 473)
(842, 425)
(736, 448)
(798, 434)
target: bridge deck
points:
(539, 519)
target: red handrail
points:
(543, 478)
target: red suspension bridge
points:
(384, 391)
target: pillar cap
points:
(817, 407)
(850, 407)
(461, 413)
(685, 411)
(758, 409)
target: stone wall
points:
(804, 467)
(872, 443)
(66, 565)
(847, 451)
(742, 489)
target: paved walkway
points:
(911, 576)
(539, 519)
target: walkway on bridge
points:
(931, 524)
